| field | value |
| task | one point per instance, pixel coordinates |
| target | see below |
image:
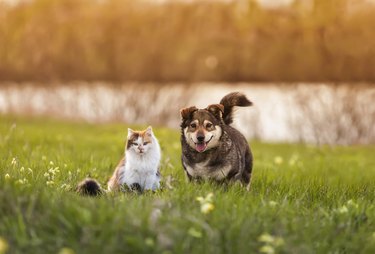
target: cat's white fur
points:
(142, 163)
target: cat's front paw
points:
(136, 187)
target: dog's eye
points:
(193, 125)
(208, 125)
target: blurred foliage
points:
(123, 40)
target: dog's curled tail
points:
(231, 100)
(89, 187)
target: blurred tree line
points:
(128, 40)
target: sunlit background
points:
(308, 65)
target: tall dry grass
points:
(125, 40)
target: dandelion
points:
(278, 160)
(7, 176)
(206, 203)
(46, 174)
(51, 163)
(207, 208)
(3, 245)
(22, 169)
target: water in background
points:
(332, 114)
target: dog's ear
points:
(187, 112)
(216, 109)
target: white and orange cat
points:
(137, 170)
(140, 166)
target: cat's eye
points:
(209, 125)
(193, 125)
(145, 143)
(134, 144)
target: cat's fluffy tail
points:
(89, 187)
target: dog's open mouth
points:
(201, 146)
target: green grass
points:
(304, 199)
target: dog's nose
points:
(200, 138)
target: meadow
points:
(304, 199)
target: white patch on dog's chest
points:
(202, 170)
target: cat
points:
(140, 166)
(138, 170)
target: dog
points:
(211, 148)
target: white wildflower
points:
(343, 210)
(14, 161)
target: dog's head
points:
(202, 127)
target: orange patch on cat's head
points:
(146, 135)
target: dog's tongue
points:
(200, 147)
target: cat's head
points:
(140, 142)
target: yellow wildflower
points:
(278, 160)
(267, 249)
(66, 251)
(3, 245)
(207, 208)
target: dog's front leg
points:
(239, 178)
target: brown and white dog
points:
(211, 148)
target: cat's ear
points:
(130, 132)
(149, 130)
(187, 112)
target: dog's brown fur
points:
(211, 148)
